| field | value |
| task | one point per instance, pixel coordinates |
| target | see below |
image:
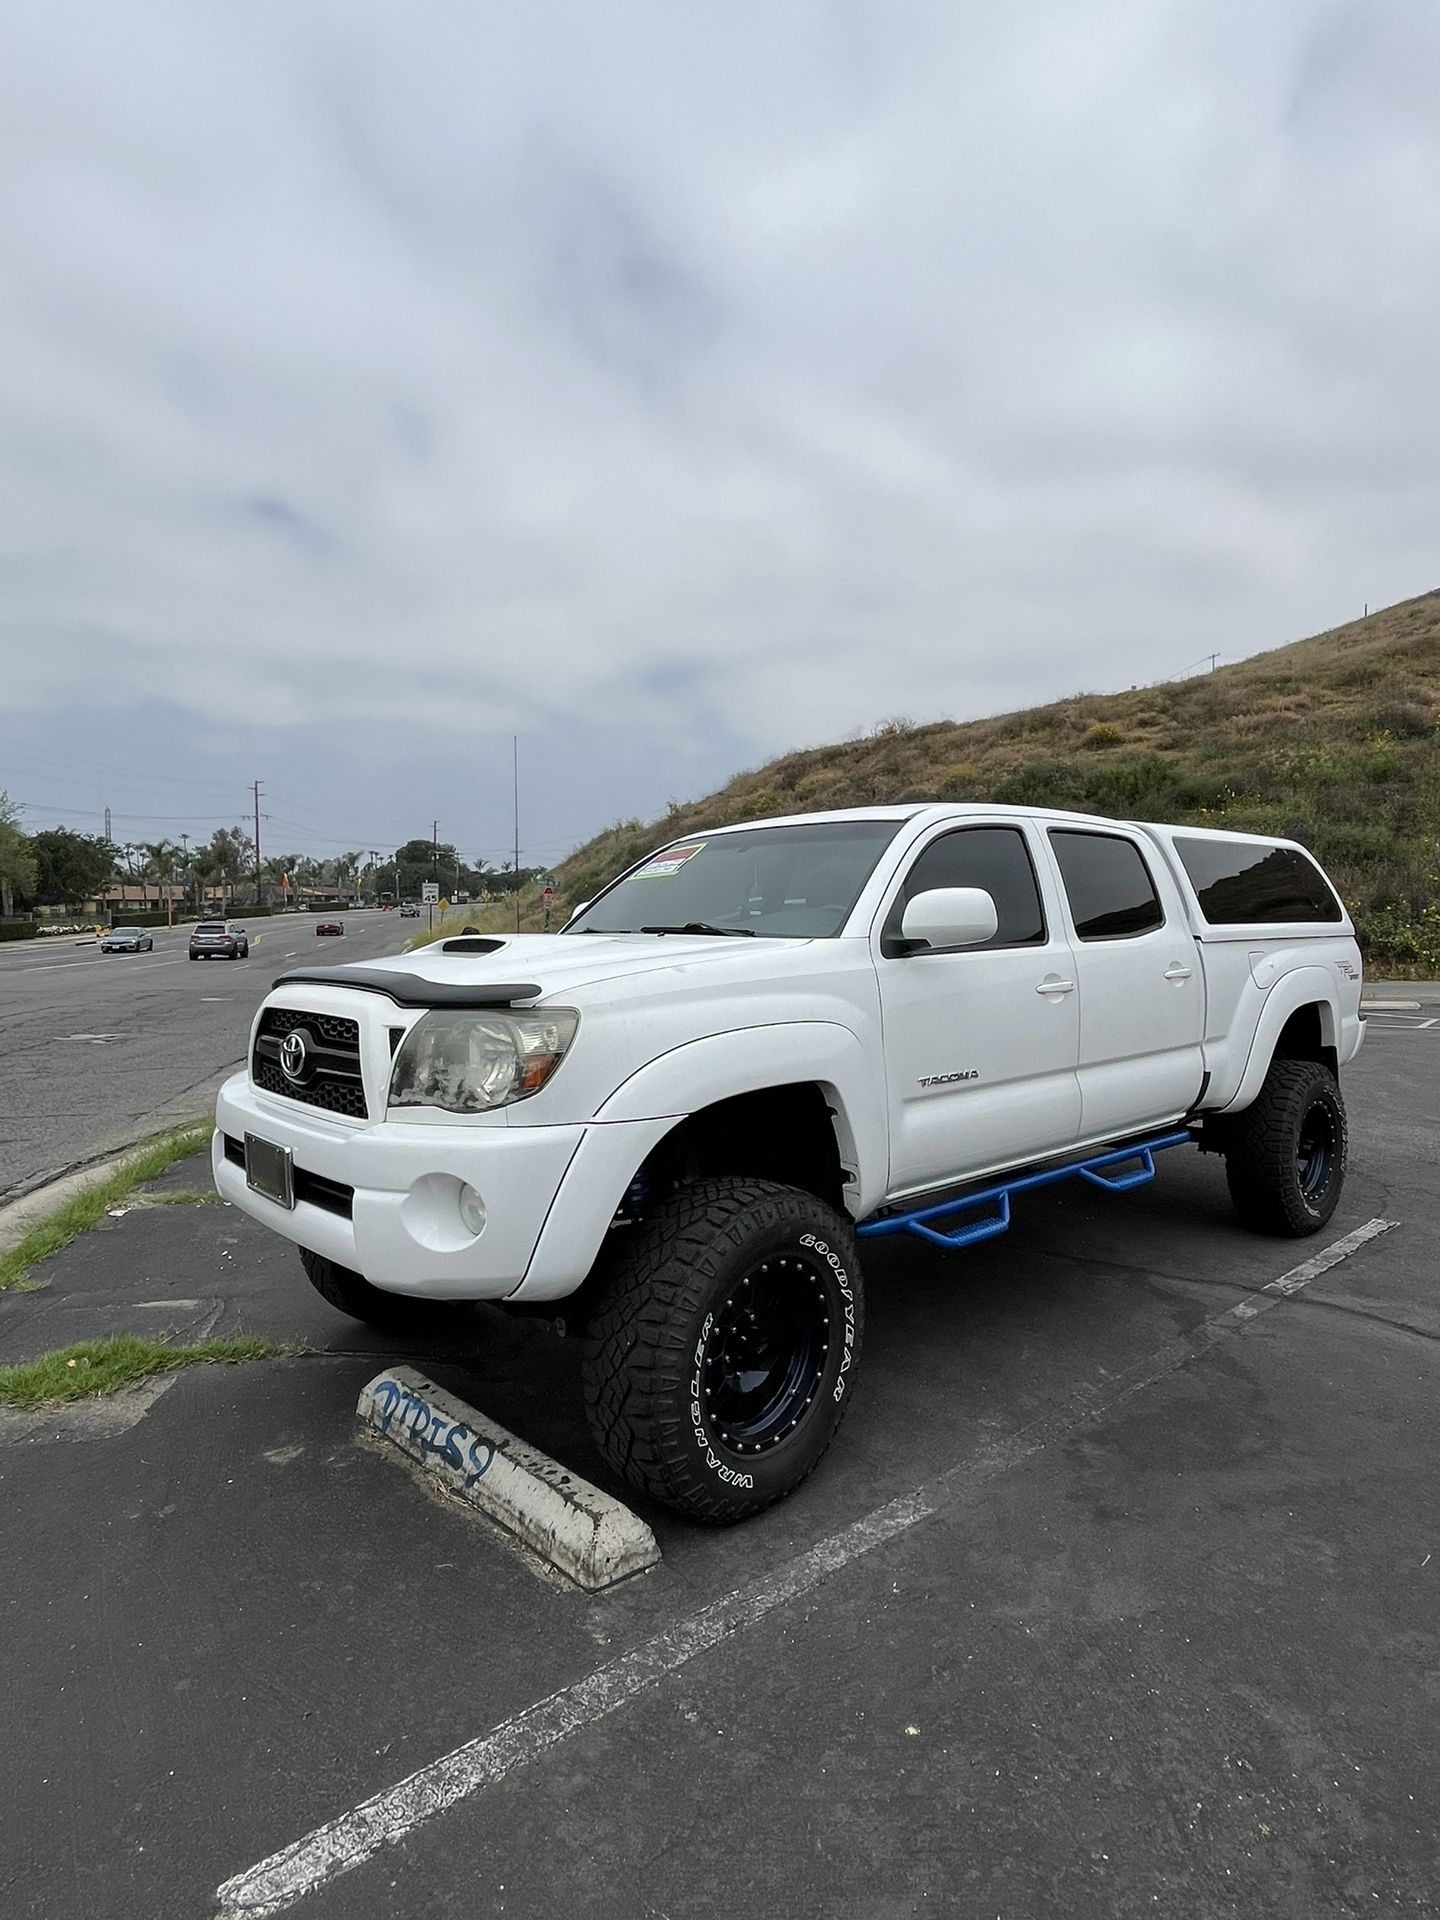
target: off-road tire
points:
(673, 1306)
(395, 1312)
(1285, 1155)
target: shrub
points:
(960, 778)
(18, 929)
(1404, 719)
(1101, 733)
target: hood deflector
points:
(409, 990)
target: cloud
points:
(727, 379)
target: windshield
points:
(794, 883)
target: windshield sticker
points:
(669, 862)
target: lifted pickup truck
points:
(761, 1045)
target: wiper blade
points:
(704, 926)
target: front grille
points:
(331, 1079)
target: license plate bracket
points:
(270, 1170)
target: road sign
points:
(548, 898)
(444, 906)
(429, 892)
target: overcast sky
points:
(675, 384)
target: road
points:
(97, 1049)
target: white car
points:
(760, 1047)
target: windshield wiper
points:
(704, 926)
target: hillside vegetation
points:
(1333, 741)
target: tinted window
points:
(995, 858)
(1239, 885)
(1111, 894)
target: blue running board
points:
(1101, 1170)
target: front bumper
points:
(382, 1199)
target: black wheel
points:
(1285, 1155)
(396, 1312)
(723, 1345)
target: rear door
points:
(1142, 988)
(981, 1043)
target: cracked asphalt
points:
(1163, 1639)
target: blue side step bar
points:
(1100, 1171)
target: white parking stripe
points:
(322, 1855)
(333, 1849)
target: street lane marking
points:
(322, 1855)
(59, 966)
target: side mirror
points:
(950, 917)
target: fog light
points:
(472, 1209)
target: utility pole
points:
(185, 863)
(1213, 659)
(515, 759)
(257, 843)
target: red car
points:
(329, 926)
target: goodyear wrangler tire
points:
(723, 1346)
(1285, 1154)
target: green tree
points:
(233, 853)
(17, 862)
(70, 868)
(421, 860)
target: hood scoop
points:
(471, 943)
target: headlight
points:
(470, 1062)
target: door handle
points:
(1176, 972)
(1056, 986)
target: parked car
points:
(219, 940)
(761, 1048)
(127, 940)
(330, 926)
(409, 911)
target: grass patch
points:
(187, 1197)
(77, 1215)
(94, 1367)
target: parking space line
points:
(320, 1856)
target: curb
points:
(19, 1216)
(575, 1528)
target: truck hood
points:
(559, 964)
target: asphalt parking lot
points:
(96, 1049)
(1116, 1596)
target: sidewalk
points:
(1401, 993)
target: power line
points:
(43, 755)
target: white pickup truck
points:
(761, 1045)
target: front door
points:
(981, 1043)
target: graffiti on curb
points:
(428, 1433)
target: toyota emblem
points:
(294, 1055)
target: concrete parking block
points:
(582, 1532)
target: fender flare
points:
(719, 1066)
(1304, 987)
(657, 1097)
